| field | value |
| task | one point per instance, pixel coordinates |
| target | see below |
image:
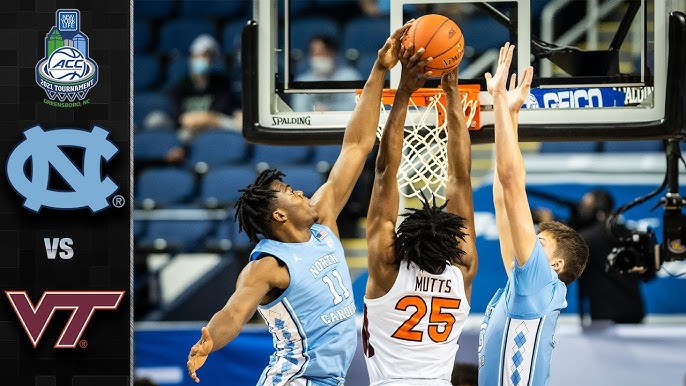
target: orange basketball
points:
(442, 40)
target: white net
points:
(424, 163)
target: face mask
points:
(321, 65)
(585, 216)
(200, 66)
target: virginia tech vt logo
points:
(66, 73)
(44, 149)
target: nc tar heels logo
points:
(66, 73)
(89, 189)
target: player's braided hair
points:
(427, 237)
(253, 208)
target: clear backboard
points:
(603, 70)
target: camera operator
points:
(610, 296)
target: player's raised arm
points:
(254, 283)
(359, 137)
(459, 184)
(509, 163)
(383, 204)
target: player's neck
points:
(291, 234)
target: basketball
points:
(442, 40)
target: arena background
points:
(188, 252)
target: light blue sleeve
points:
(532, 286)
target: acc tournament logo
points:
(45, 150)
(66, 73)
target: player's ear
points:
(279, 215)
(558, 264)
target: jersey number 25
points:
(440, 322)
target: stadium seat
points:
(277, 156)
(303, 30)
(231, 37)
(163, 187)
(139, 228)
(219, 240)
(217, 147)
(177, 35)
(153, 9)
(146, 102)
(365, 35)
(303, 177)
(176, 70)
(634, 146)
(176, 235)
(142, 36)
(483, 33)
(569, 147)
(146, 70)
(325, 156)
(219, 187)
(153, 145)
(213, 8)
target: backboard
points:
(601, 68)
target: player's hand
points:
(516, 96)
(411, 79)
(389, 54)
(199, 353)
(496, 83)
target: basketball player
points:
(516, 339)
(420, 277)
(298, 278)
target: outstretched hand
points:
(389, 54)
(517, 94)
(199, 353)
(411, 79)
(496, 83)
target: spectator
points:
(325, 65)
(202, 99)
(611, 297)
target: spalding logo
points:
(43, 149)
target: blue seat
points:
(217, 147)
(239, 239)
(153, 9)
(303, 177)
(634, 146)
(569, 147)
(325, 156)
(219, 187)
(277, 156)
(177, 235)
(231, 37)
(139, 228)
(303, 30)
(177, 35)
(146, 102)
(483, 33)
(365, 34)
(177, 69)
(153, 145)
(213, 8)
(146, 71)
(164, 187)
(142, 36)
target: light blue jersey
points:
(313, 321)
(517, 335)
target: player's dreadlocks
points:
(427, 237)
(253, 209)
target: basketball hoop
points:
(424, 164)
